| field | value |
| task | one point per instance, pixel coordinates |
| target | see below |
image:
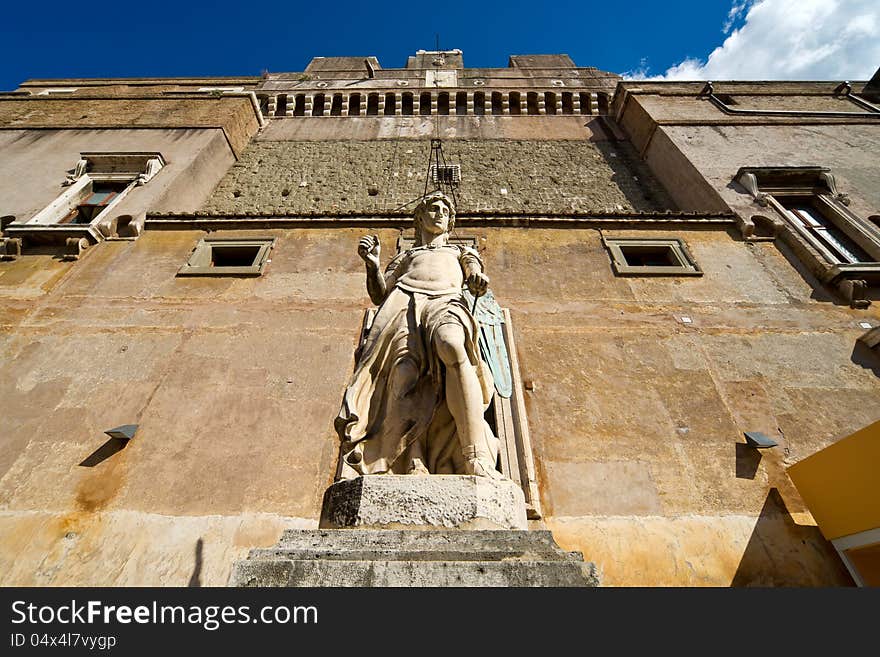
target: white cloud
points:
(790, 40)
(735, 12)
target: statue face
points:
(435, 218)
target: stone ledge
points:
(283, 573)
(427, 558)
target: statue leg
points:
(464, 398)
(402, 382)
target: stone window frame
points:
(817, 185)
(677, 249)
(198, 263)
(131, 169)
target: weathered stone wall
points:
(696, 109)
(513, 176)
(635, 416)
(35, 163)
(848, 150)
(234, 114)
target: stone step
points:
(380, 573)
(416, 545)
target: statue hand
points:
(369, 249)
(478, 283)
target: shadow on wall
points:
(747, 461)
(195, 580)
(782, 553)
(104, 452)
(866, 358)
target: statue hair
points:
(421, 208)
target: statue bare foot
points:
(480, 465)
(418, 468)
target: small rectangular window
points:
(228, 256)
(651, 257)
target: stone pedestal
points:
(408, 530)
(424, 502)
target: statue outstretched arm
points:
(472, 266)
(369, 250)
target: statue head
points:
(429, 214)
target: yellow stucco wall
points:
(840, 485)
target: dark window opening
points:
(550, 102)
(390, 104)
(461, 103)
(406, 105)
(318, 105)
(373, 105)
(336, 105)
(299, 105)
(603, 103)
(425, 103)
(497, 103)
(281, 105)
(649, 256)
(586, 103)
(354, 105)
(443, 103)
(264, 104)
(479, 103)
(567, 102)
(234, 256)
(532, 102)
(514, 103)
(94, 203)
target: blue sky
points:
(641, 38)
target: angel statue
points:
(417, 398)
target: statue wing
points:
(492, 346)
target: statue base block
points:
(411, 530)
(408, 558)
(424, 502)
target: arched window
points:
(372, 104)
(425, 103)
(567, 102)
(549, 102)
(318, 105)
(280, 104)
(461, 103)
(479, 103)
(336, 105)
(299, 105)
(354, 105)
(497, 103)
(390, 104)
(586, 103)
(406, 106)
(532, 102)
(514, 101)
(443, 103)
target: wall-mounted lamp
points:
(124, 432)
(759, 440)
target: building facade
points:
(681, 263)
